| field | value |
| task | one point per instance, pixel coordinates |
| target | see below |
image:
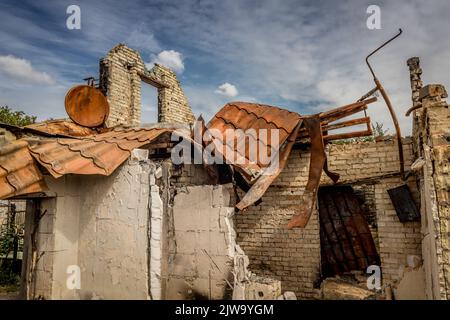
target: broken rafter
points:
(343, 124)
(356, 134)
(327, 117)
(345, 111)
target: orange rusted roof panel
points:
(96, 154)
(61, 127)
(246, 115)
(253, 119)
(18, 171)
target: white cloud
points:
(227, 89)
(169, 58)
(22, 70)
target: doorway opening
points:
(346, 240)
(12, 235)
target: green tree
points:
(15, 118)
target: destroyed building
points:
(109, 201)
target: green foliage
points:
(8, 235)
(15, 118)
(377, 129)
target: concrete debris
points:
(339, 289)
(411, 282)
(288, 295)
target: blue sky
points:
(306, 56)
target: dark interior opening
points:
(346, 241)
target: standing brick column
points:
(121, 83)
(415, 77)
(433, 128)
(415, 73)
(172, 103)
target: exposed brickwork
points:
(121, 72)
(433, 141)
(397, 240)
(293, 256)
(172, 103)
(121, 83)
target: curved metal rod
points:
(384, 44)
(418, 106)
(389, 105)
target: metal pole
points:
(389, 105)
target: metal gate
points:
(346, 240)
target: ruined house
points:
(110, 203)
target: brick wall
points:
(172, 103)
(433, 143)
(293, 256)
(120, 81)
(121, 73)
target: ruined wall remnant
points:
(121, 83)
(172, 103)
(415, 72)
(293, 256)
(99, 224)
(121, 72)
(434, 144)
(201, 258)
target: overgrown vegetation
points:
(9, 238)
(377, 130)
(15, 118)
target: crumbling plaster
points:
(101, 225)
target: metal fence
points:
(12, 224)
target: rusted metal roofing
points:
(347, 242)
(63, 147)
(60, 127)
(243, 115)
(255, 117)
(18, 171)
(252, 116)
(95, 154)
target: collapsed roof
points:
(63, 147)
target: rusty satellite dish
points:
(86, 106)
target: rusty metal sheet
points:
(61, 127)
(86, 106)
(258, 189)
(252, 116)
(347, 242)
(246, 116)
(316, 165)
(96, 154)
(18, 171)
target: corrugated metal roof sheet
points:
(243, 115)
(61, 127)
(95, 154)
(246, 116)
(18, 171)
